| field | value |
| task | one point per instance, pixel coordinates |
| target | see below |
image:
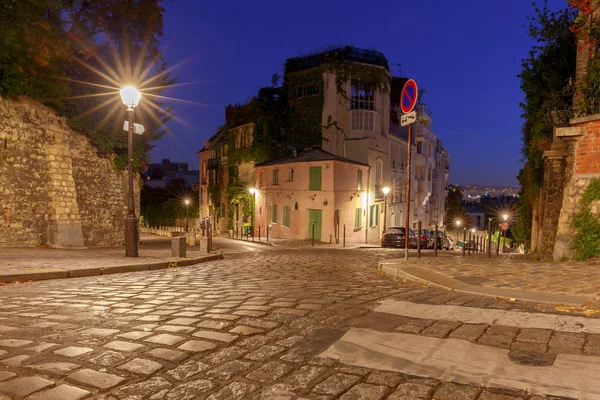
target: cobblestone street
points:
(250, 326)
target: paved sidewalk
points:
(30, 263)
(574, 283)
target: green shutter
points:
(286, 216)
(314, 178)
(359, 180)
(276, 176)
(358, 218)
(274, 214)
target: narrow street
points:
(281, 323)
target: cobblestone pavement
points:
(247, 327)
(564, 277)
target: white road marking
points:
(472, 315)
(465, 362)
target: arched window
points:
(291, 175)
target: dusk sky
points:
(465, 54)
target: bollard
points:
(330, 239)
(259, 233)
(419, 239)
(464, 240)
(313, 234)
(435, 242)
(267, 233)
(178, 247)
(344, 235)
(252, 233)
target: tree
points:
(545, 80)
(74, 55)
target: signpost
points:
(408, 100)
(137, 128)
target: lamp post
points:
(253, 193)
(505, 217)
(473, 241)
(187, 203)
(131, 98)
(457, 228)
(385, 190)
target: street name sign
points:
(407, 119)
(137, 128)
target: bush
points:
(586, 240)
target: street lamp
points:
(457, 228)
(385, 190)
(131, 97)
(505, 216)
(187, 203)
(253, 193)
(473, 241)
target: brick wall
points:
(587, 154)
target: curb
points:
(57, 273)
(250, 241)
(420, 275)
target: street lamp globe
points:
(505, 216)
(130, 96)
(457, 223)
(385, 190)
(473, 230)
(187, 202)
(252, 191)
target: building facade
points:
(313, 193)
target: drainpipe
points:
(367, 211)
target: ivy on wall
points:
(586, 223)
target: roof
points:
(310, 156)
(346, 53)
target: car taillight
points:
(424, 237)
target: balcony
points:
(213, 163)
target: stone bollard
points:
(178, 247)
(203, 244)
(190, 238)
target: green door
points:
(314, 217)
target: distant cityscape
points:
(472, 192)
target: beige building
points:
(313, 190)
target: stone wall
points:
(54, 186)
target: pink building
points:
(314, 188)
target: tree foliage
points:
(545, 80)
(74, 55)
(160, 207)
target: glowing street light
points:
(505, 216)
(187, 203)
(457, 227)
(386, 191)
(131, 98)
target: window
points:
(286, 216)
(260, 178)
(429, 174)
(276, 176)
(364, 120)
(358, 218)
(274, 214)
(290, 175)
(359, 179)
(479, 220)
(362, 97)
(378, 172)
(374, 216)
(419, 147)
(314, 182)
(304, 91)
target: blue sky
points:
(467, 58)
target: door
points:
(314, 218)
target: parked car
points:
(443, 242)
(472, 245)
(394, 237)
(426, 237)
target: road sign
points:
(504, 226)
(137, 128)
(408, 98)
(407, 119)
